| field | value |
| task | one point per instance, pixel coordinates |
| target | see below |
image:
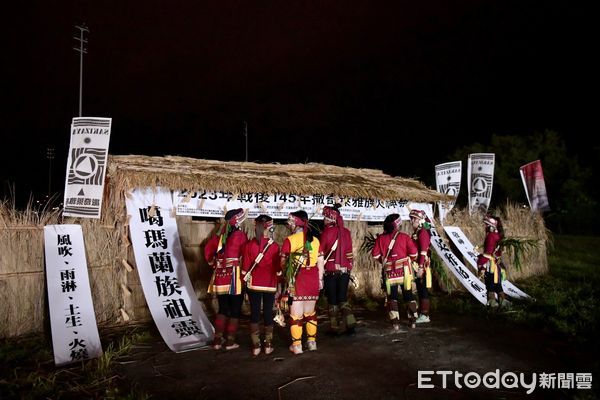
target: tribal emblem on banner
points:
(447, 179)
(481, 180)
(481, 185)
(451, 189)
(87, 167)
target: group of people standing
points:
(298, 270)
(304, 265)
(405, 259)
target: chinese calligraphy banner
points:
(467, 250)
(86, 167)
(480, 180)
(535, 186)
(278, 206)
(72, 319)
(447, 180)
(460, 271)
(175, 309)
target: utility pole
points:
(81, 50)
(246, 134)
(50, 157)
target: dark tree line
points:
(572, 192)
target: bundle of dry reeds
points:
(116, 289)
(518, 222)
(22, 270)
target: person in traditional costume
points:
(224, 252)
(394, 250)
(304, 274)
(261, 270)
(336, 248)
(489, 263)
(422, 268)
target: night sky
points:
(396, 87)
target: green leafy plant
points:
(519, 248)
(292, 266)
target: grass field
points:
(27, 369)
(566, 298)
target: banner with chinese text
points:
(167, 288)
(468, 252)
(278, 206)
(447, 180)
(480, 180)
(72, 319)
(86, 167)
(460, 271)
(535, 186)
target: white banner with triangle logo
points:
(86, 167)
(480, 180)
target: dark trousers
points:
(336, 288)
(490, 285)
(422, 288)
(230, 305)
(267, 300)
(407, 295)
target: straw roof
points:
(179, 173)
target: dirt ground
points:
(373, 363)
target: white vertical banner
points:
(466, 248)
(447, 180)
(168, 290)
(72, 319)
(480, 180)
(86, 167)
(460, 271)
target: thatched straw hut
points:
(116, 289)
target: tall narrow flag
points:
(535, 187)
(480, 180)
(167, 288)
(447, 180)
(86, 167)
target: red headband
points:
(333, 215)
(238, 218)
(265, 224)
(297, 220)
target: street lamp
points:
(81, 50)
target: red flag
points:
(535, 187)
